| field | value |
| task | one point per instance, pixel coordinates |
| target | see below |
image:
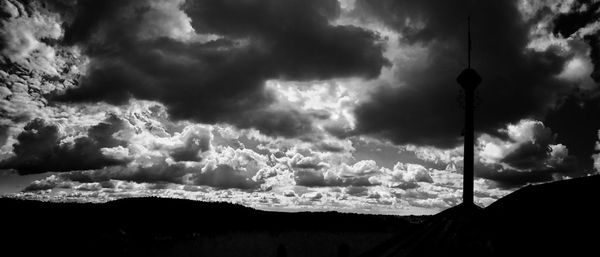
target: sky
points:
(294, 105)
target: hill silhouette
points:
(175, 227)
(558, 218)
(552, 219)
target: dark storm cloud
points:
(219, 176)
(193, 145)
(534, 157)
(303, 45)
(3, 134)
(39, 148)
(220, 80)
(50, 182)
(514, 179)
(309, 178)
(158, 172)
(594, 42)
(521, 153)
(517, 82)
(225, 176)
(528, 155)
(576, 120)
(568, 23)
(533, 146)
(582, 14)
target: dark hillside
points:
(554, 219)
(173, 227)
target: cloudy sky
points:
(347, 105)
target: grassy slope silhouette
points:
(559, 218)
(174, 227)
(553, 219)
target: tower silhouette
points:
(462, 229)
(468, 79)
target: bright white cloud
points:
(298, 176)
(522, 135)
(22, 36)
(330, 102)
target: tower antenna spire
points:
(469, 41)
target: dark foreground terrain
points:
(172, 227)
(554, 219)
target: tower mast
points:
(469, 80)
